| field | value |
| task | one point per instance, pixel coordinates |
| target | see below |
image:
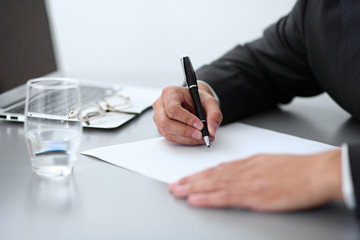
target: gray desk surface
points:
(102, 201)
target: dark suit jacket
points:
(315, 48)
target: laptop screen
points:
(26, 49)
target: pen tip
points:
(207, 141)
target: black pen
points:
(191, 81)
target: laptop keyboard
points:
(19, 109)
(88, 94)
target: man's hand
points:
(266, 183)
(175, 118)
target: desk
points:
(102, 201)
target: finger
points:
(213, 114)
(223, 169)
(220, 198)
(173, 130)
(183, 140)
(173, 105)
(221, 177)
(207, 173)
(203, 185)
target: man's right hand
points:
(175, 117)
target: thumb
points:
(213, 114)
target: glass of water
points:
(53, 126)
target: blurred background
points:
(129, 40)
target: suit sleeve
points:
(264, 73)
(272, 70)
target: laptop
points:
(27, 52)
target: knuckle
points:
(162, 125)
(206, 185)
(225, 181)
(155, 104)
(186, 132)
(225, 197)
(210, 172)
(170, 91)
(260, 185)
(225, 165)
(259, 156)
(167, 90)
(171, 111)
(165, 126)
(222, 166)
(218, 116)
(160, 131)
(182, 132)
(169, 137)
(187, 119)
(154, 118)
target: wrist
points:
(332, 174)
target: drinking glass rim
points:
(36, 83)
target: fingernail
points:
(214, 128)
(197, 135)
(181, 190)
(194, 199)
(172, 185)
(198, 126)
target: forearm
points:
(263, 73)
(236, 85)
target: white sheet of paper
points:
(159, 159)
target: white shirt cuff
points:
(347, 183)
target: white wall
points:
(117, 39)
